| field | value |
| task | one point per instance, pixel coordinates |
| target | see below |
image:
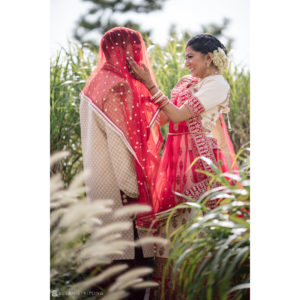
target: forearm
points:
(176, 114)
(163, 118)
(170, 111)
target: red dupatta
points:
(124, 103)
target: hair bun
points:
(205, 43)
(220, 59)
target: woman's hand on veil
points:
(141, 74)
(171, 112)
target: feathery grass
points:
(81, 244)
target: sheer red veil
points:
(124, 103)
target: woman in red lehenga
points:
(196, 128)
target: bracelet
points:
(156, 94)
(162, 106)
(164, 102)
(149, 89)
(160, 98)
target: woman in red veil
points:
(120, 150)
(124, 104)
(196, 128)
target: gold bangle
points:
(162, 96)
(155, 95)
(164, 102)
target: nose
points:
(187, 63)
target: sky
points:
(185, 14)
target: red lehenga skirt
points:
(179, 172)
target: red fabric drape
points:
(124, 103)
(233, 167)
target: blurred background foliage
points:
(105, 14)
(102, 16)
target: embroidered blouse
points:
(206, 100)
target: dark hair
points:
(205, 43)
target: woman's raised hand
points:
(141, 74)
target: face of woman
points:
(134, 51)
(196, 62)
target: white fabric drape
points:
(111, 169)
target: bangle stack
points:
(150, 88)
(160, 99)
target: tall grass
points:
(210, 255)
(239, 81)
(68, 74)
(81, 244)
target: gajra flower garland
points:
(220, 59)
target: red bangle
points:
(157, 96)
(160, 98)
(164, 102)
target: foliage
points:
(218, 31)
(102, 16)
(210, 255)
(239, 116)
(81, 244)
(68, 74)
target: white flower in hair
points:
(220, 59)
